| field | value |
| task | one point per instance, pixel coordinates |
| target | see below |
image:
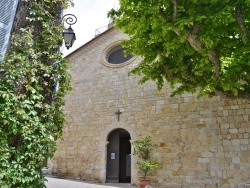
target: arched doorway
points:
(119, 157)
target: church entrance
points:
(119, 157)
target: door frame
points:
(117, 157)
(103, 149)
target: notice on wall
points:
(112, 156)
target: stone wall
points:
(201, 142)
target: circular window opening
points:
(116, 55)
(113, 56)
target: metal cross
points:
(118, 114)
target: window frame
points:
(108, 50)
(8, 29)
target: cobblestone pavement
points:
(64, 183)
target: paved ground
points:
(63, 183)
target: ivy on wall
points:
(33, 82)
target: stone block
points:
(203, 160)
(245, 157)
(236, 142)
(235, 107)
(226, 142)
(244, 141)
(233, 131)
(236, 160)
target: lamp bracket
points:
(70, 19)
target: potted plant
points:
(143, 148)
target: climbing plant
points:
(33, 82)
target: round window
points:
(116, 56)
(113, 56)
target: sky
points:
(91, 15)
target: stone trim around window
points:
(108, 50)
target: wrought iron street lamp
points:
(69, 34)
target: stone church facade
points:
(200, 142)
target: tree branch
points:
(194, 40)
(240, 21)
(175, 10)
(186, 6)
(216, 63)
(241, 95)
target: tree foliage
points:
(33, 82)
(193, 44)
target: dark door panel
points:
(113, 158)
(119, 157)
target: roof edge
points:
(93, 39)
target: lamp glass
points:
(69, 37)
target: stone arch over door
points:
(118, 157)
(103, 148)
